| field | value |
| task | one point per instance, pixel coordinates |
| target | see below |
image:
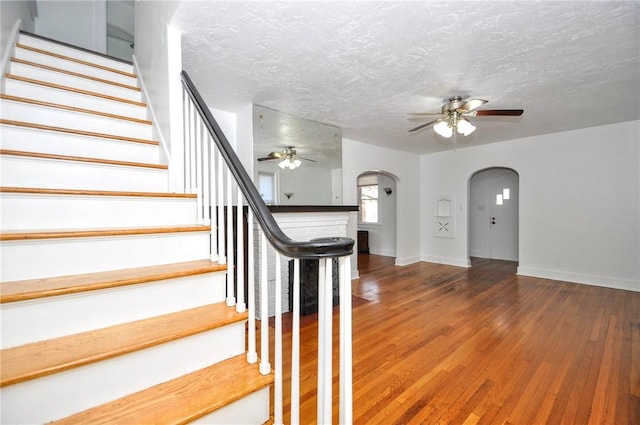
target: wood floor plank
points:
(436, 344)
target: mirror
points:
(296, 161)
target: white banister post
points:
(325, 336)
(192, 147)
(252, 355)
(295, 346)
(240, 304)
(231, 293)
(277, 387)
(346, 349)
(206, 175)
(265, 367)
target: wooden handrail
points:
(316, 248)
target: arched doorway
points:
(493, 214)
(377, 219)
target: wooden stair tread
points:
(105, 232)
(87, 192)
(75, 90)
(70, 59)
(74, 74)
(44, 358)
(72, 108)
(180, 400)
(81, 159)
(31, 289)
(78, 132)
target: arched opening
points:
(377, 218)
(494, 195)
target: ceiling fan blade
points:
(507, 112)
(472, 104)
(420, 127)
(420, 114)
(272, 155)
(307, 159)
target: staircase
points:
(111, 310)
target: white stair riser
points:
(65, 97)
(48, 60)
(252, 409)
(19, 111)
(60, 395)
(35, 211)
(54, 174)
(74, 53)
(53, 142)
(37, 320)
(65, 256)
(63, 79)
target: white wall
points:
(579, 203)
(382, 235)
(10, 12)
(81, 23)
(15, 15)
(158, 58)
(357, 158)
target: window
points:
(368, 194)
(267, 187)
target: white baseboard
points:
(458, 262)
(405, 261)
(582, 278)
(384, 252)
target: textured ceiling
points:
(364, 65)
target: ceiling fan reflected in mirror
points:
(455, 114)
(289, 158)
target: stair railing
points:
(214, 172)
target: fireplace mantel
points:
(311, 208)
(305, 222)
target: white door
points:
(494, 214)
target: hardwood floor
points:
(435, 344)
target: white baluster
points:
(222, 259)
(192, 148)
(252, 355)
(295, 346)
(265, 367)
(346, 367)
(231, 295)
(277, 388)
(240, 305)
(198, 168)
(213, 201)
(325, 303)
(185, 135)
(206, 172)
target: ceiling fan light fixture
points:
(464, 127)
(443, 128)
(285, 163)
